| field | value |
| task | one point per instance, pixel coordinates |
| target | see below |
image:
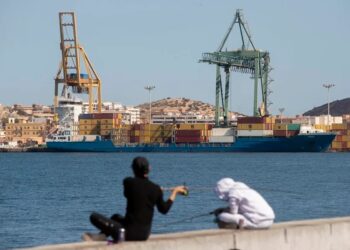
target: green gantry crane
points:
(243, 60)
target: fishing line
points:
(187, 219)
(204, 189)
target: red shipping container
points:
(136, 127)
(250, 120)
(285, 133)
(189, 139)
(134, 139)
(188, 133)
(105, 115)
(338, 138)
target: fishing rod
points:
(189, 218)
(204, 189)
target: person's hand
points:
(180, 190)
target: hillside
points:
(178, 106)
(337, 108)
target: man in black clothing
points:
(142, 196)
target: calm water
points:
(47, 198)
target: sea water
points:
(46, 198)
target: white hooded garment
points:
(245, 201)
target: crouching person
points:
(247, 208)
(142, 197)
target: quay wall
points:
(320, 234)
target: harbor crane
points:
(243, 60)
(77, 77)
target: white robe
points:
(244, 204)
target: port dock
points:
(320, 234)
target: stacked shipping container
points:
(192, 133)
(342, 140)
(255, 126)
(151, 133)
(286, 130)
(99, 124)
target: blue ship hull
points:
(299, 143)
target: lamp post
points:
(281, 110)
(149, 88)
(328, 86)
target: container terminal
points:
(105, 132)
(77, 77)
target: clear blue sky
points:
(135, 43)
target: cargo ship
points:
(105, 133)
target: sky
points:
(134, 43)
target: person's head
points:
(223, 187)
(140, 167)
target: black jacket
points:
(142, 196)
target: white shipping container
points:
(85, 137)
(222, 139)
(222, 132)
(254, 132)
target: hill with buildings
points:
(337, 108)
(178, 107)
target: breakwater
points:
(321, 234)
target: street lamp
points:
(281, 110)
(149, 88)
(328, 86)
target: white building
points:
(2, 134)
(325, 120)
(131, 115)
(170, 119)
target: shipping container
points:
(105, 132)
(134, 139)
(338, 138)
(189, 139)
(84, 121)
(341, 126)
(188, 133)
(339, 145)
(106, 126)
(108, 121)
(85, 116)
(221, 139)
(256, 126)
(251, 120)
(89, 132)
(294, 126)
(253, 133)
(323, 127)
(285, 133)
(279, 126)
(194, 126)
(105, 116)
(88, 127)
(341, 132)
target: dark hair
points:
(140, 166)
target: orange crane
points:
(76, 77)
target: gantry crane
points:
(77, 77)
(243, 60)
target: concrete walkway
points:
(322, 234)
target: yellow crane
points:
(74, 76)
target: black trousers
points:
(108, 226)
